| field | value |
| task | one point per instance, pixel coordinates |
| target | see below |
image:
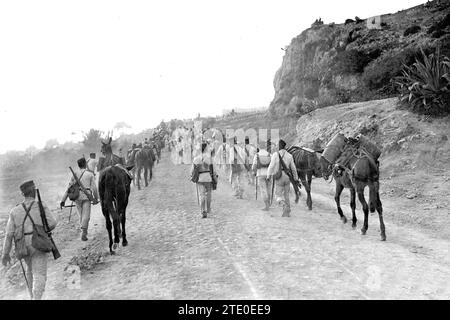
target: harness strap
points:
(27, 215)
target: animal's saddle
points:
(353, 150)
(113, 160)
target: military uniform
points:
(36, 261)
(264, 184)
(250, 152)
(204, 182)
(283, 184)
(237, 159)
(83, 203)
(92, 165)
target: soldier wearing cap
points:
(83, 204)
(36, 261)
(237, 167)
(283, 183)
(260, 165)
(203, 162)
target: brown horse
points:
(356, 170)
(308, 165)
(143, 158)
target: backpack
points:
(264, 164)
(214, 177)
(235, 166)
(40, 239)
(74, 190)
(278, 174)
(195, 174)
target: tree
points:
(162, 126)
(31, 151)
(173, 125)
(92, 139)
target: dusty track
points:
(240, 252)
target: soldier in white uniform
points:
(92, 164)
(36, 260)
(83, 203)
(205, 165)
(260, 166)
(283, 184)
(237, 168)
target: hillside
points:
(329, 64)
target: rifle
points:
(296, 185)
(198, 200)
(55, 251)
(88, 194)
(256, 188)
(26, 279)
(273, 187)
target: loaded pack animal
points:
(142, 158)
(307, 163)
(114, 190)
(353, 163)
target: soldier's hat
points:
(27, 186)
(81, 162)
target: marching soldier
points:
(205, 170)
(236, 169)
(92, 163)
(282, 180)
(250, 151)
(36, 260)
(261, 162)
(83, 203)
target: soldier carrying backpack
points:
(260, 165)
(26, 226)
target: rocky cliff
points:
(329, 64)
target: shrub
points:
(438, 27)
(92, 139)
(411, 30)
(351, 61)
(425, 86)
(378, 74)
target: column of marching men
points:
(30, 223)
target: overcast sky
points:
(68, 66)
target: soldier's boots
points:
(266, 208)
(84, 234)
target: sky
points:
(68, 66)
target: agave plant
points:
(425, 85)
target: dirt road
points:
(241, 252)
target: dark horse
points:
(308, 165)
(143, 159)
(355, 170)
(114, 190)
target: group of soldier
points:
(23, 217)
(260, 166)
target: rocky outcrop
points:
(339, 63)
